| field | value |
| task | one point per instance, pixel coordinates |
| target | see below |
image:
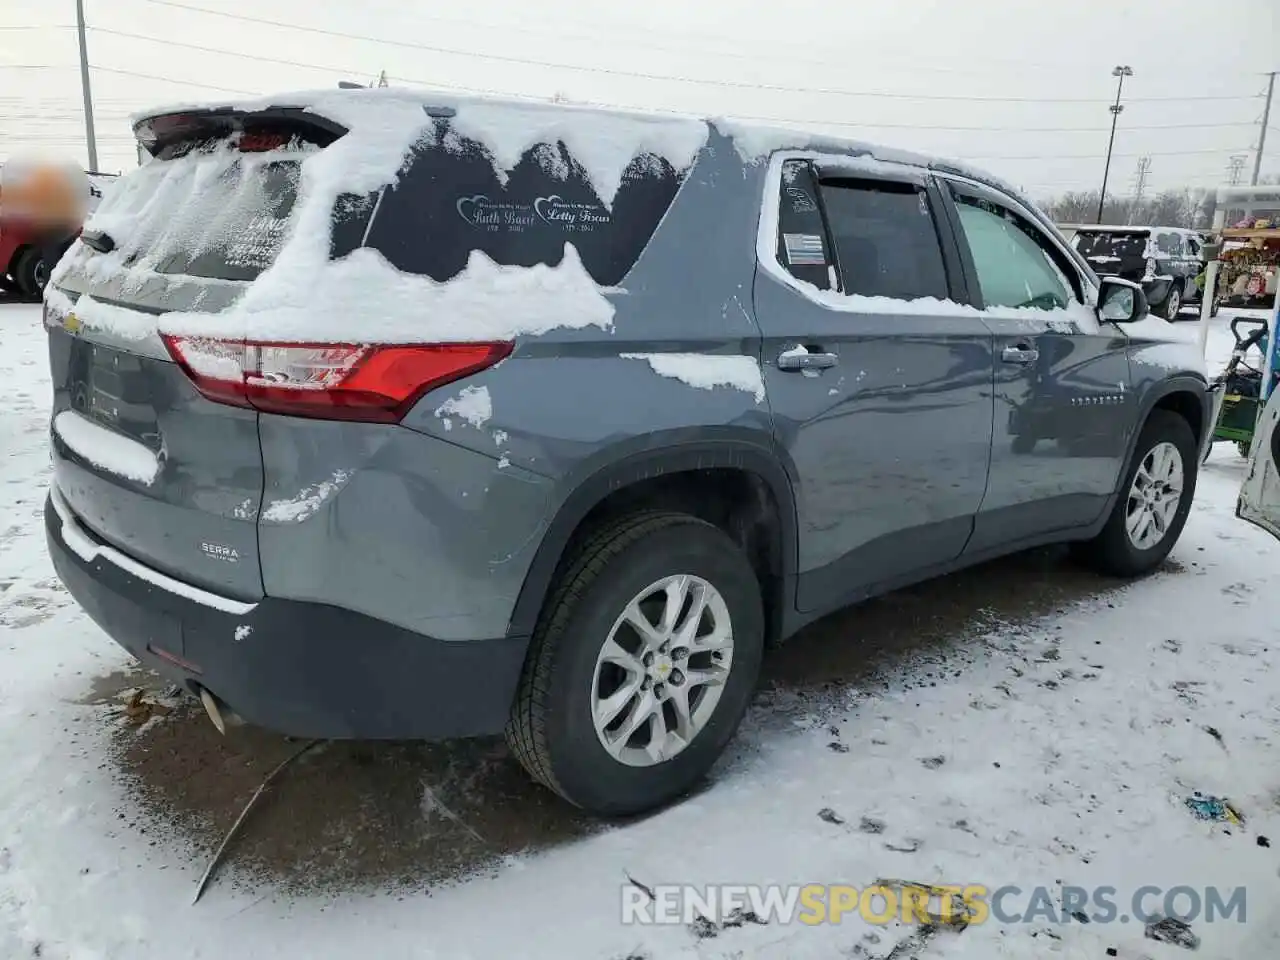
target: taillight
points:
(331, 381)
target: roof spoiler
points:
(161, 130)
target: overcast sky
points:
(1020, 71)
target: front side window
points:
(1015, 264)
(885, 239)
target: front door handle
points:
(1020, 353)
(804, 360)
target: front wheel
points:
(642, 665)
(1151, 510)
(1172, 305)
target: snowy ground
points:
(1023, 723)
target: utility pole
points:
(1121, 72)
(1139, 185)
(1262, 134)
(84, 84)
(1235, 169)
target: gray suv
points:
(384, 415)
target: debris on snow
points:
(1216, 809)
(217, 854)
(473, 405)
(1174, 931)
(909, 845)
(139, 710)
(432, 804)
(952, 910)
(707, 371)
(830, 816)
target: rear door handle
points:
(1020, 354)
(795, 360)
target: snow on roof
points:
(603, 139)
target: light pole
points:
(1121, 73)
(90, 139)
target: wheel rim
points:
(1154, 496)
(660, 673)
(41, 274)
(1175, 303)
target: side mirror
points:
(1121, 301)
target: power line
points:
(185, 83)
(1085, 156)
(841, 123)
(643, 75)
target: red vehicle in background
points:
(31, 241)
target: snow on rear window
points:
(304, 294)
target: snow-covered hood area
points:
(304, 295)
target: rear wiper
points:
(98, 240)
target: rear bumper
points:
(303, 669)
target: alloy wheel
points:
(661, 671)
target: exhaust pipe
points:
(221, 717)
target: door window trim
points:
(1088, 285)
(837, 166)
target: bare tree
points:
(1190, 207)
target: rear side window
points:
(802, 237)
(1111, 243)
(885, 238)
(450, 202)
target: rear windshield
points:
(213, 212)
(451, 201)
(1111, 243)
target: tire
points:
(552, 728)
(1172, 305)
(26, 271)
(1114, 552)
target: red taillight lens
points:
(332, 381)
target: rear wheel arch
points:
(744, 488)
